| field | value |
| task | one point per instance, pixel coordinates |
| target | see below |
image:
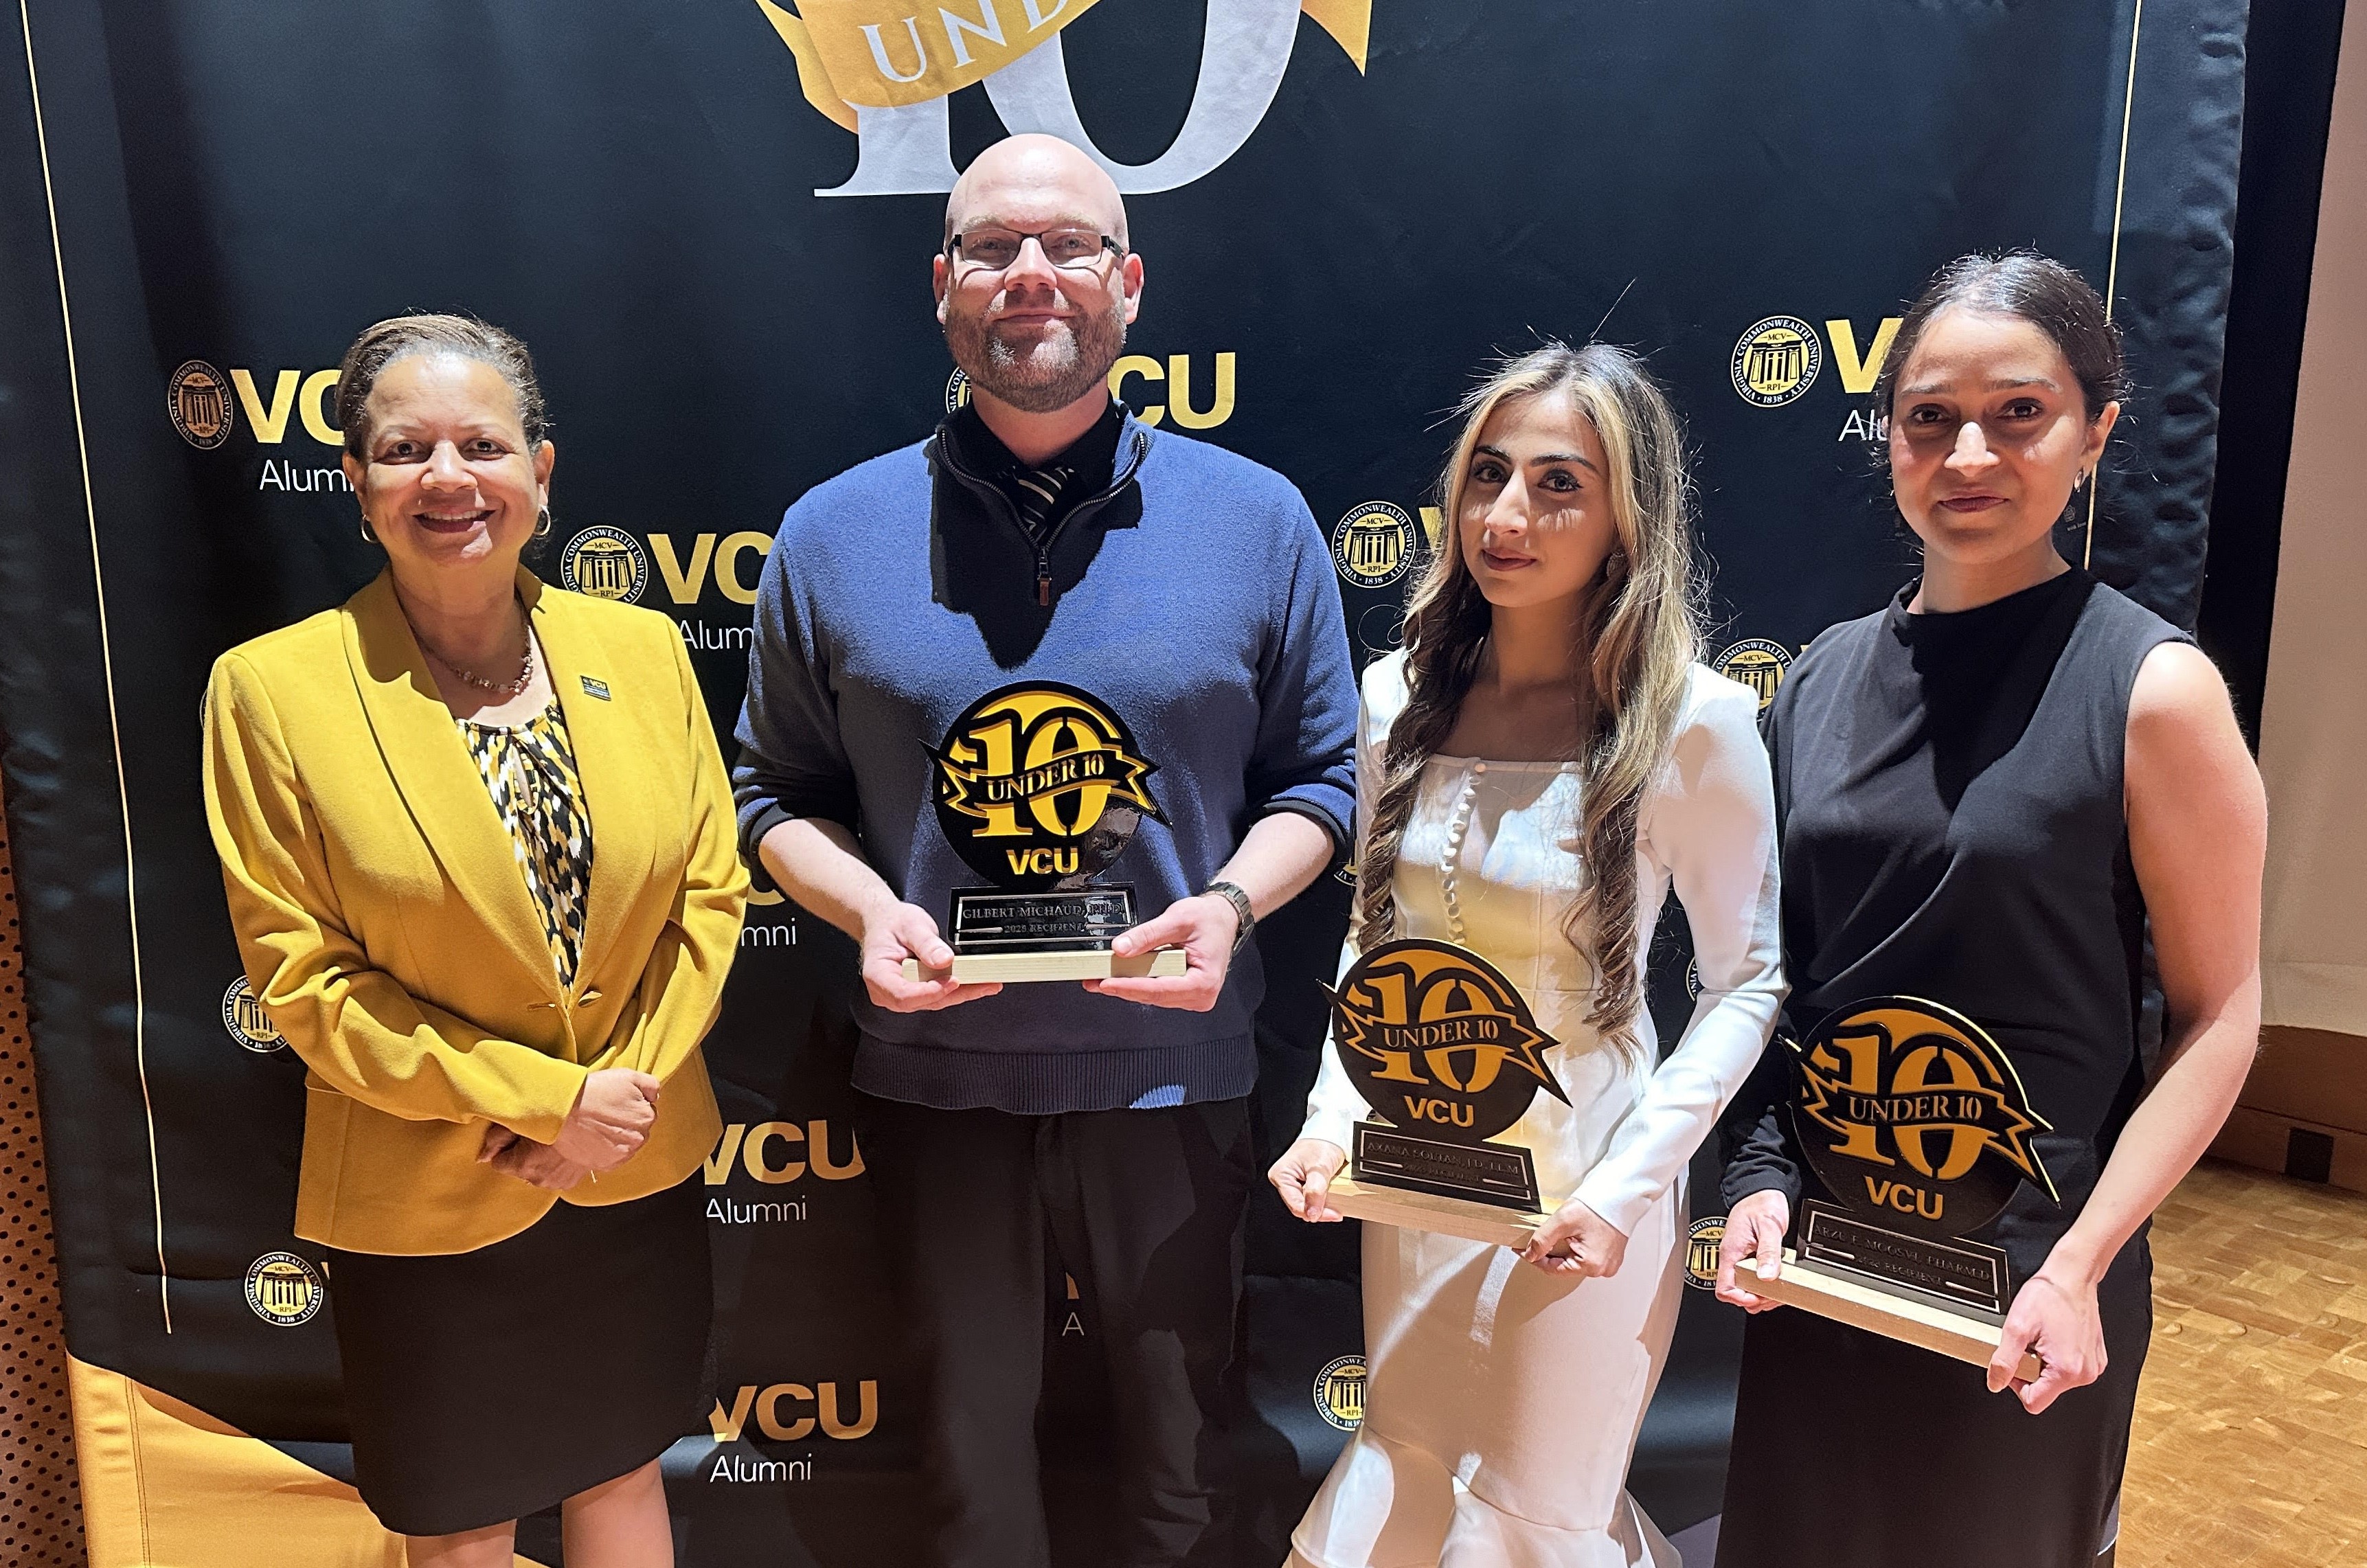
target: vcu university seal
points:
(1340, 1393)
(284, 1290)
(1373, 545)
(198, 400)
(1776, 360)
(1757, 663)
(605, 563)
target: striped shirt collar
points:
(1091, 461)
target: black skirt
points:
(1855, 1451)
(484, 1386)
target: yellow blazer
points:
(388, 931)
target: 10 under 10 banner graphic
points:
(713, 223)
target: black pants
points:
(1145, 1208)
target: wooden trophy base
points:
(1846, 1298)
(1463, 1217)
(1089, 964)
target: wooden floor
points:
(2250, 1449)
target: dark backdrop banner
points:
(712, 221)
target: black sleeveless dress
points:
(1949, 788)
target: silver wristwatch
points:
(1240, 903)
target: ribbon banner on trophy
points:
(714, 224)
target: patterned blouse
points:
(531, 769)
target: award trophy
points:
(1914, 1120)
(1445, 1052)
(1039, 788)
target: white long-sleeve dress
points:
(1501, 1402)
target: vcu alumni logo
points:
(1373, 545)
(605, 563)
(285, 1290)
(198, 399)
(1040, 785)
(1776, 361)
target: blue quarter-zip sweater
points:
(1193, 601)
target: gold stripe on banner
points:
(883, 53)
(165, 1485)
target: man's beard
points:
(1063, 365)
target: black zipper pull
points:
(1043, 579)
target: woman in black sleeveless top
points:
(1990, 793)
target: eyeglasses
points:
(1070, 249)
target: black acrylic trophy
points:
(1917, 1124)
(1444, 1051)
(1039, 787)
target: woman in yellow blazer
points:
(477, 841)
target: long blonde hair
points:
(1636, 638)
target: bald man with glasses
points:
(1172, 607)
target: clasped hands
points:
(1574, 1241)
(610, 1120)
(1203, 926)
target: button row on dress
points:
(1453, 856)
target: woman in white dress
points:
(1539, 768)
